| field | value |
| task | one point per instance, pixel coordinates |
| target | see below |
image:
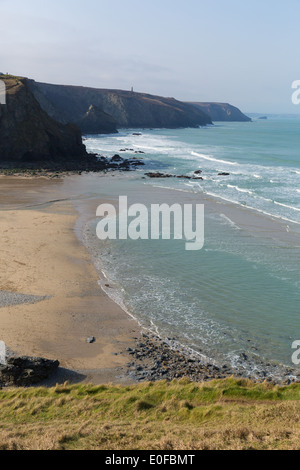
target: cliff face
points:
(128, 109)
(222, 112)
(28, 136)
(96, 121)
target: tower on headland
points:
(132, 90)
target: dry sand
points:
(41, 255)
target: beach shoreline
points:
(45, 256)
(41, 256)
(65, 303)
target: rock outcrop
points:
(28, 136)
(128, 109)
(26, 371)
(222, 112)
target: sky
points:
(238, 51)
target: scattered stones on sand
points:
(153, 360)
(8, 299)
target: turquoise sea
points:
(237, 300)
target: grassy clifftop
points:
(224, 414)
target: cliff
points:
(29, 137)
(96, 121)
(128, 109)
(222, 112)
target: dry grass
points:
(227, 414)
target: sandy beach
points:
(41, 256)
(51, 299)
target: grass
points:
(224, 414)
(7, 76)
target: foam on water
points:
(241, 293)
(266, 180)
(212, 159)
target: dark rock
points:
(29, 136)
(134, 162)
(166, 175)
(91, 340)
(26, 371)
(117, 158)
(224, 174)
(159, 175)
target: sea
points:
(235, 302)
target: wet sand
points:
(40, 255)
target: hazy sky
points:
(245, 52)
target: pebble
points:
(91, 340)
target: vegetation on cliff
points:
(222, 112)
(179, 415)
(128, 109)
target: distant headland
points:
(41, 125)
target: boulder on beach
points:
(26, 371)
